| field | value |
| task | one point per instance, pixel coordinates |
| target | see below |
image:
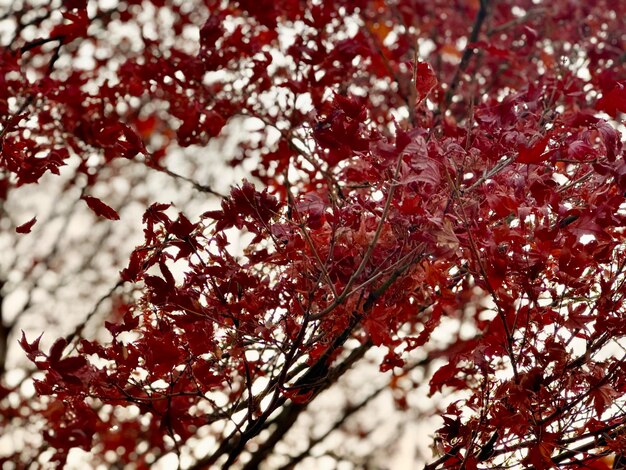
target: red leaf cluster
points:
(444, 181)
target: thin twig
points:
(469, 50)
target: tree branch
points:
(469, 50)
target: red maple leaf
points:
(27, 226)
(100, 208)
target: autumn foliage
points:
(439, 185)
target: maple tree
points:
(439, 182)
